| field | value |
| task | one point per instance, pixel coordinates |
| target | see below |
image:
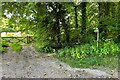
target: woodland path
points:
(27, 64)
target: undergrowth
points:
(88, 55)
(16, 47)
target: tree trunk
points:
(58, 33)
(83, 32)
(113, 9)
(103, 14)
(118, 25)
(107, 8)
(76, 20)
(118, 14)
(66, 31)
(100, 13)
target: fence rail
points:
(27, 39)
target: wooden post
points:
(27, 39)
(97, 38)
(96, 30)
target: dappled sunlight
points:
(60, 40)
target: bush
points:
(16, 47)
(2, 50)
(46, 49)
(43, 48)
(4, 44)
(88, 55)
(109, 48)
(84, 50)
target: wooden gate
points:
(21, 40)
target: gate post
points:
(27, 40)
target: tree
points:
(58, 24)
(83, 32)
(103, 8)
(76, 20)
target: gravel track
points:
(25, 64)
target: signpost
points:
(96, 30)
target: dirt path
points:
(26, 65)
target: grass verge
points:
(109, 62)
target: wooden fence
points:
(21, 40)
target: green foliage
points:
(9, 29)
(43, 48)
(88, 55)
(46, 49)
(3, 50)
(92, 62)
(82, 51)
(109, 48)
(5, 43)
(55, 24)
(16, 47)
